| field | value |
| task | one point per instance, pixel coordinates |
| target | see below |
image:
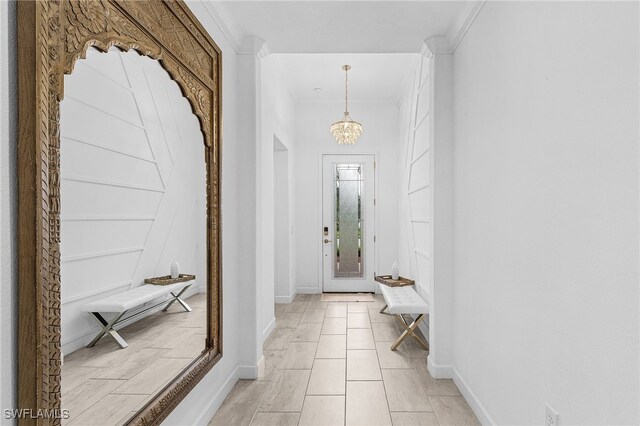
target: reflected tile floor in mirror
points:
(330, 363)
(106, 385)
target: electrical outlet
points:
(551, 417)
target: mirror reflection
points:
(133, 232)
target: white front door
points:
(348, 223)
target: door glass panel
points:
(348, 238)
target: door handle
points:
(327, 241)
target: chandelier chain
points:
(346, 91)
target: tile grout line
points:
(255, 413)
(304, 400)
(382, 379)
(378, 348)
(260, 402)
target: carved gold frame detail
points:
(52, 36)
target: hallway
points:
(329, 363)
(488, 151)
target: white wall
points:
(277, 118)
(8, 207)
(313, 138)
(546, 211)
(133, 184)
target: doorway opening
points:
(281, 225)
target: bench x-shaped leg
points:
(176, 297)
(410, 330)
(107, 328)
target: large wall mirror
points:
(120, 281)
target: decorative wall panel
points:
(416, 180)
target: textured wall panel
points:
(133, 183)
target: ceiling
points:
(311, 40)
(345, 26)
(373, 77)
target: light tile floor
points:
(329, 363)
(105, 385)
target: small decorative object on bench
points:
(387, 280)
(404, 300)
(119, 304)
(175, 269)
(394, 271)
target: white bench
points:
(121, 303)
(404, 300)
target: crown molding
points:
(252, 45)
(459, 29)
(264, 50)
(227, 23)
(426, 50)
(437, 45)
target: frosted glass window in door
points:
(348, 223)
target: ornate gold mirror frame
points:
(52, 36)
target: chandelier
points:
(346, 131)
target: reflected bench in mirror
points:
(121, 303)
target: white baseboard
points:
(261, 367)
(267, 331)
(472, 399)
(308, 290)
(439, 371)
(249, 372)
(450, 372)
(287, 299)
(215, 402)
